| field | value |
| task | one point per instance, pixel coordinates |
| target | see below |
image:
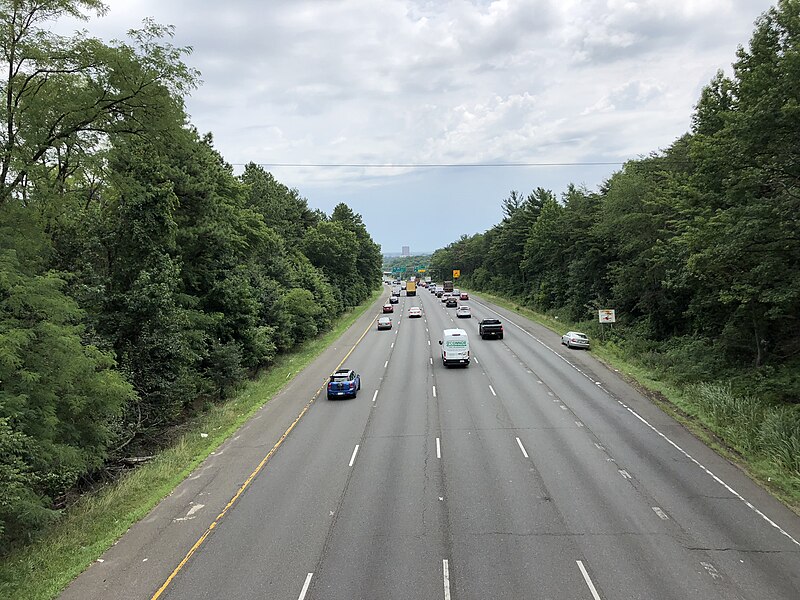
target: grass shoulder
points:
(41, 570)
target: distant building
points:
(406, 251)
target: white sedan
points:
(575, 339)
(414, 311)
(463, 312)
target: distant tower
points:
(406, 251)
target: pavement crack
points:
(742, 550)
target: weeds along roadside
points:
(761, 437)
(41, 570)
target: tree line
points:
(140, 279)
(697, 246)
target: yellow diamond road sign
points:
(456, 273)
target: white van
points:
(455, 347)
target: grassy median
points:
(43, 569)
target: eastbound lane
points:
(711, 544)
(533, 473)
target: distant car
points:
(451, 303)
(394, 300)
(388, 308)
(414, 312)
(344, 383)
(464, 296)
(575, 339)
(464, 312)
(446, 296)
(439, 293)
(396, 292)
(384, 323)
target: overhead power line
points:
(435, 165)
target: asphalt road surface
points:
(534, 473)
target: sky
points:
(371, 83)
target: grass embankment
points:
(761, 438)
(43, 569)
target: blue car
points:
(344, 383)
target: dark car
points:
(344, 383)
(384, 323)
(388, 308)
(439, 293)
(490, 328)
(451, 303)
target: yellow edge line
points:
(252, 476)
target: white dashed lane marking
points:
(353, 458)
(305, 586)
(654, 429)
(521, 447)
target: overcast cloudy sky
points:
(442, 82)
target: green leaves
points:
(59, 397)
(66, 96)
(697, 244)
(139, 278)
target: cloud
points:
(442, 81)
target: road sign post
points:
(607, 315)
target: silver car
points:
(575, 339)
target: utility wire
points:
(434, 165)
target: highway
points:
(534, 473)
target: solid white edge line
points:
(375, 395)
(643, 420)
(434, 391)
(491, 389)
(438, 448)
(714, 477)
(305, 586)
(446, 577)
(588, 580)
(521, 447)
(353, 458)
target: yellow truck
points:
(411, 288)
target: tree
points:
(64, 97)
(59, 398)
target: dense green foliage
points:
(697, 247)
(140, 279)
(407, 264)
